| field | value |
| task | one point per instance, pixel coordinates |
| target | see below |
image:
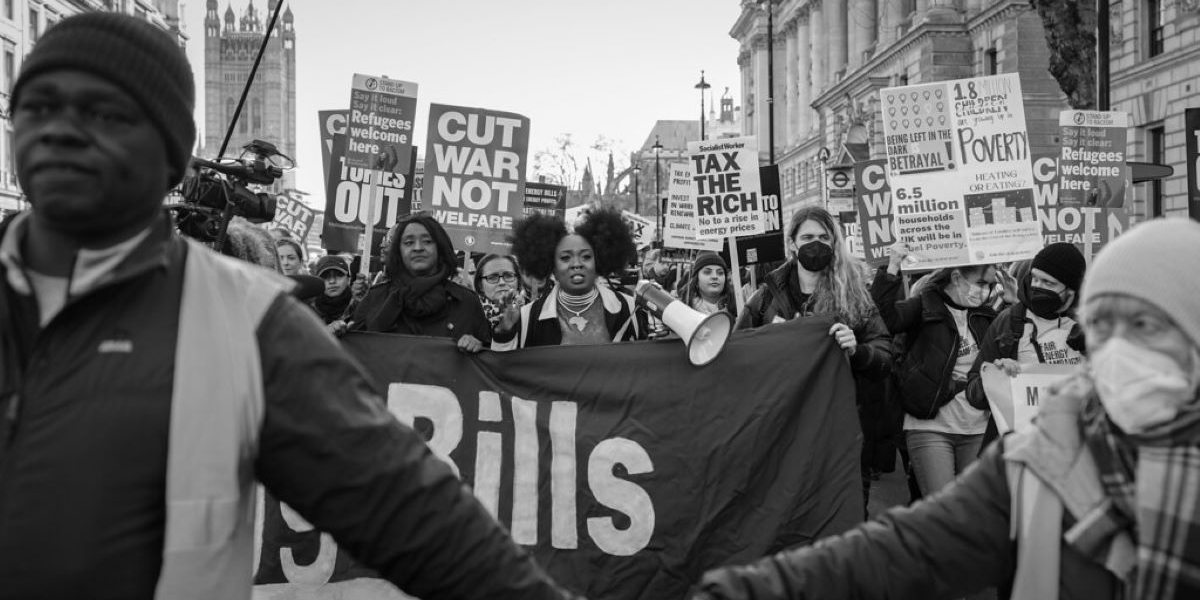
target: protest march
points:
(968, 367)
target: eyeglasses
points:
(508, 276)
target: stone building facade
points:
(833, 56)
(230, 46)
(1155, 52)
(21, 24)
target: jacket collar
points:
(93, 269)
(612, 303)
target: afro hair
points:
(610, 238)
(534, 239)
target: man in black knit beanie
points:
(147, 382)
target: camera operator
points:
(145, 381)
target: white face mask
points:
(1139, 387)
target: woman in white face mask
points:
(1099, 499)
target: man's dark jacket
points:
(83, 452)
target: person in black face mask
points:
(1040, 328)
(823, 278)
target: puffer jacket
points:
(951, 544)
(772, 302)
(924, 377)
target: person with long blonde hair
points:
(823, 278)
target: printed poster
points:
(726, 188)
(873, 205)
(380, 123)
(545, 198)
(959, 168)
(679, 229)
(1191, 120)
(293, 215)
(1089, 228)
(1091, 166)
(474, 180)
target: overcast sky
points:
(589, 68)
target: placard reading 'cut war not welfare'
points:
(959, 168)
(726, 188)
(475, 174)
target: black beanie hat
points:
(708, 259)
(140, 58)
(1063, 262)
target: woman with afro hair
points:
(418, 296)
(581, 308)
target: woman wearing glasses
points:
(501, 290)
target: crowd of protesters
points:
(1098, 499)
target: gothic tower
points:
(230, 45)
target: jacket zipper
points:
(947, 372)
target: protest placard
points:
(726, 188)
(346, 191)
(851, 232)
(768, 246)
(331, 123)
(545, 198)
(873, 204)
(1191, 134)
(1089, 228)
(475, 174)
(1091, 167)
(293, 215)
(1030, 386)
(679, 230)
(379, 127)
(959, 169)
(612, 488)
(643, 229)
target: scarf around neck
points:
(421, 296)
(333, 308)
(1153, 480)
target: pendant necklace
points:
(566, 301)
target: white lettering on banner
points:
(435, 403)
(321, 568)
(410, 402)
(468, 126)
(488, 449)
(350, 203)
(621, 495)
(563, 533)
(525, 472)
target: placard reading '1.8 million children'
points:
(959, 168)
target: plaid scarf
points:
(1153, 482)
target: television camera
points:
(218, 190)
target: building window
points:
(1154, 25)
(1156, 149)
(9, 11)
(10, 66)
(991, 61)
(33, 24)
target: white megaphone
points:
(705, 335)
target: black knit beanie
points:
(1063, 262)
(140, 58)
(708, 259)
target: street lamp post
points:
(637, 205)
(703, 85)
(657, 147)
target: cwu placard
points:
(623, 487)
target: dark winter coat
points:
(873, 356)
(463, 314)
(84, 435)
(924, 377)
